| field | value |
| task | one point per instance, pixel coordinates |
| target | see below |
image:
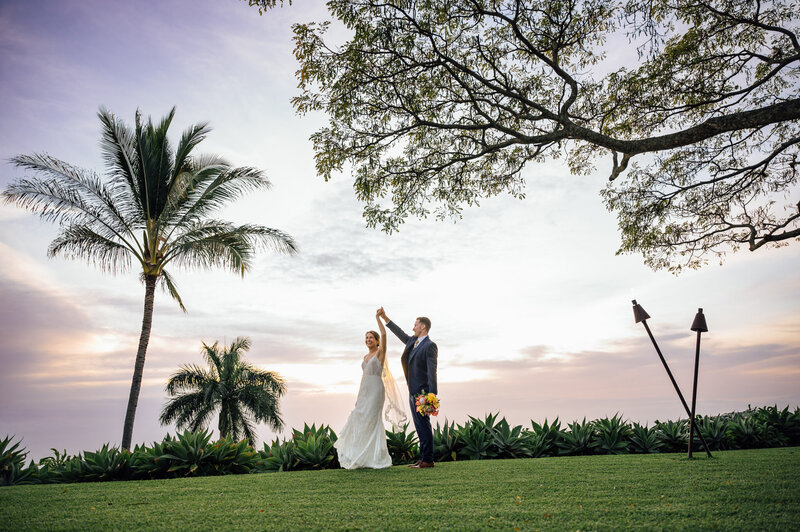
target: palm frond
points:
(156, 170)
(234, 352)
(230, 362)
(188, 185)
(192, 136)
(202, 418)
(263, 404)
(215, 186)
(241, 426)
(182, 408)
(68, 195)
(118, 145)
(214, 357)
(218, 243)
(80, 241)
(189, 377)
(172, 288)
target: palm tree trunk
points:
(138, 370)
(223, 418)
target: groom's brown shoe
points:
(422, 465)
(415, 464)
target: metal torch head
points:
(639, 314)
(699, 323)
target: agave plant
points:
(644, 439)
(108, 463)
(187, 453)
(229, 457)
(794, 428)
(57, 460)
(151, 462)
(673, 435)
(715, 432)
(579, 439)
(783, 422)
(51, 468)
(746, 431)
(313, 452)
(313, 447)
(12, 464)
(508, 442)
(403, 445)
(487, 424)
(612, 436)
(279, 456)
(477, 440)
(446, 442)
(543, 438)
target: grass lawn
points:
(736, 490)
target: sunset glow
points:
(531, 308)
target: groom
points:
(419, 365)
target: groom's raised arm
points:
(398, 332)
(393, 327)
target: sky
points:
(530, 306)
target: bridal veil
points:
(394, 412)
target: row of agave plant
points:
(194, 454)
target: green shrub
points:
(487, 424)
(747, 431)
(644, 439)
(57, 460)
(579, 439)
(543, 439)
(794, 428)
(779, 426)
(187, 454)
(313, 447)
(447, 442)
(227, 457)
(277, 457)
(193, 454)
(403, 445)
(108, 463)
(715, 432)
(152, 462)
(673, 435)
(612, 436)
(12, 464)
(51, 468)
(508, 442)
(477, 440)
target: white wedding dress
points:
(362, 441)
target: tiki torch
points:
(640, 315)
(699, 325)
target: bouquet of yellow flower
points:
(427, 404)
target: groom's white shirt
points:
(419, 341)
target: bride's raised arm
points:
(382, 347)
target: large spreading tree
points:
(152, 208)
(435, 104)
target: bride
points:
(362, 441)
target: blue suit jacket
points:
(419, 365)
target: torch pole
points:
(677, 389)
(694, 392)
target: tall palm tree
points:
(242, 393)
(151, 208)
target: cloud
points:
(625, 376)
